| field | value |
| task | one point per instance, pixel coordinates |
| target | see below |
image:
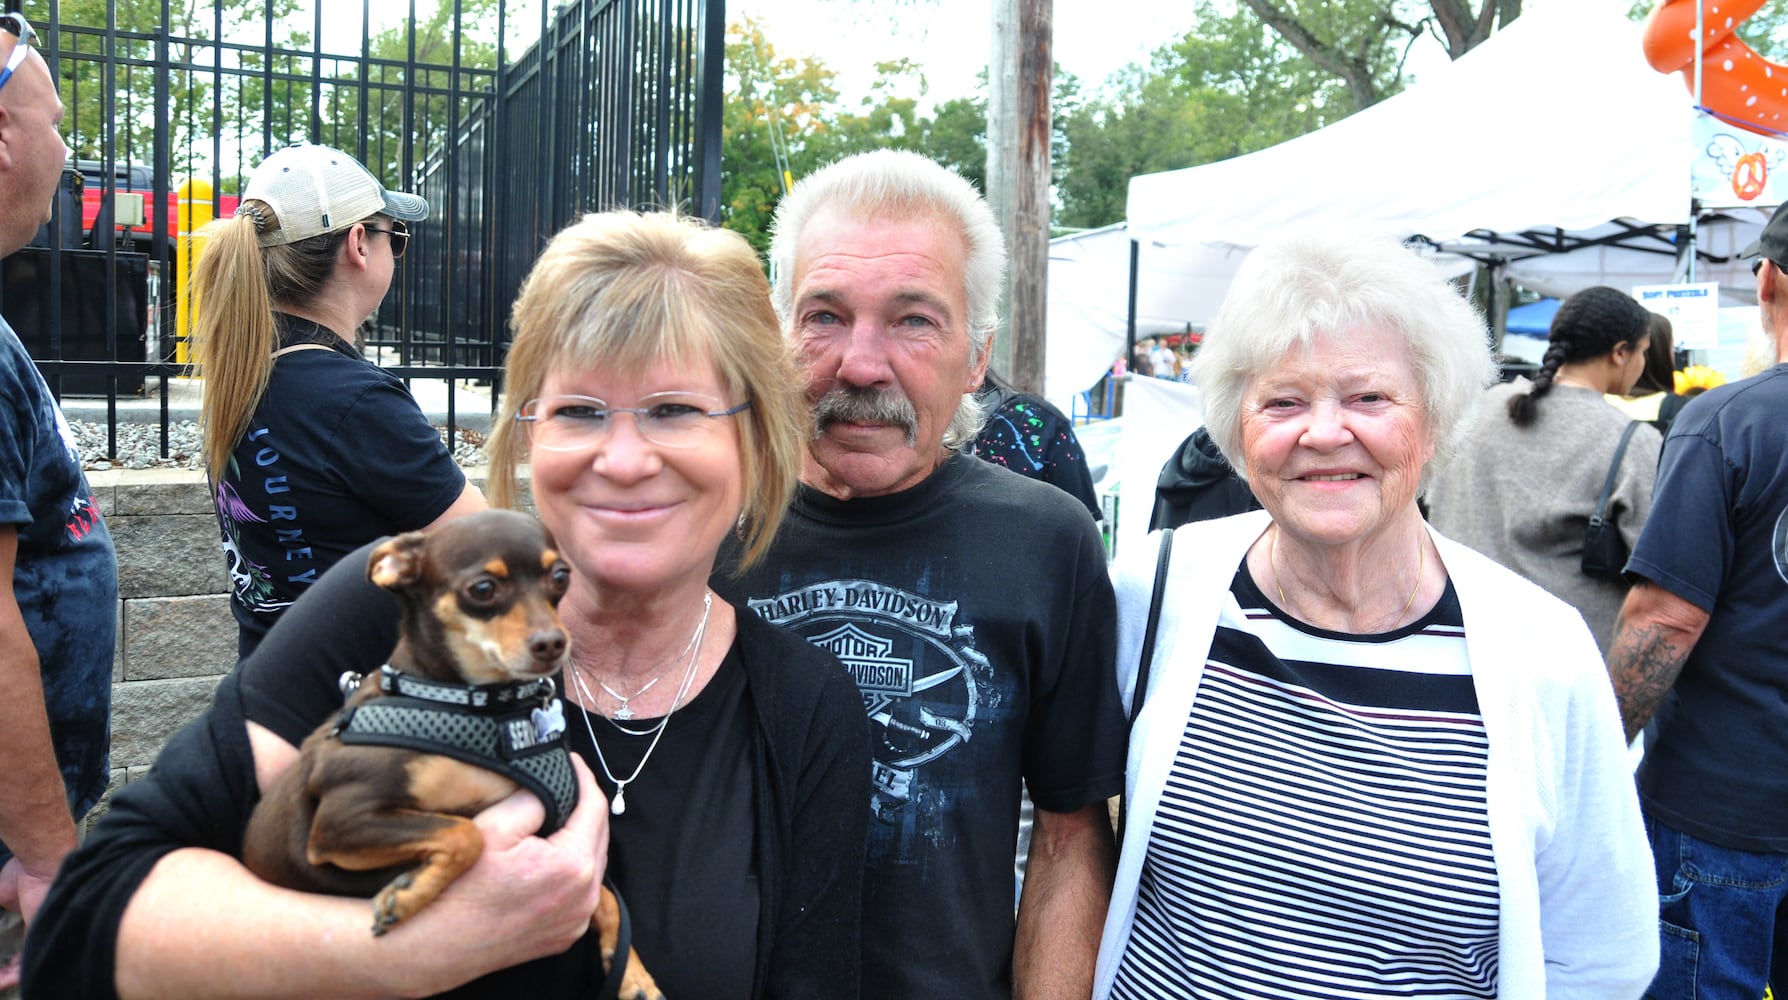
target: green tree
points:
(114, 107)
(1229, 86)
(420, 82)
(1363, 42)
(774, 127)
(784, 118)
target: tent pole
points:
(1694, 210)
(1130, 330)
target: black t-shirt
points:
(975, 612)
(691, 887)
(1717, 537)
(336, 454)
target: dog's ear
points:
(398, 562)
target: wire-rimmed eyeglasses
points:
(14, 24)
(669, 419)
(400, 236)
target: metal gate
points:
(512, 118)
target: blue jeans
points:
(1723, 917)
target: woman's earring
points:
(739, 528)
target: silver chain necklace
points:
(625, 712)
(618, 804)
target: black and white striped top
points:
(1323, 831)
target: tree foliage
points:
(265, 85)
(115, 107)
(1228, 87)
(1363, 42)
(784, 118)
(419, 82)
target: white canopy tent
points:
(1551, 151)
(1089, 281)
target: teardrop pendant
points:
(618, 804)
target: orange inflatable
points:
(1736, 83)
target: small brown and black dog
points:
(379, 801)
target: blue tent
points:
(1533, 319)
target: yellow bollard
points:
(196, 210)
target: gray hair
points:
(896, 184)
(1288, 292)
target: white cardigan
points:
(1579, 900)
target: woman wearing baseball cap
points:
(311, 449)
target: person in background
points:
(1653, 397)
(1161, 359)
(58, 572)
(1700, 644)
(971, 604)
(311, 449)
(1534, 464)
(1370, 761)
(1197, 484)
(655, 402)
(1027, 434)
(1142, 361)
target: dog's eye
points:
(561, 576)
(482, 591)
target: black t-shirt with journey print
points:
(336, 454)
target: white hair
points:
(1289, 292)
(896, 184)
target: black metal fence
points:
(512, 118)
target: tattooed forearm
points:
(1644, 662)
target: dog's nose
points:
(547, 646)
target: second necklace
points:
(618, 803)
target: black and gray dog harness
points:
(515, 728)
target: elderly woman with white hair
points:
(1369, 761)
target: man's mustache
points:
(867, 405)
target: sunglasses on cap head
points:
(14, 24)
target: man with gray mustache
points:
(970, 604)
(847, 404)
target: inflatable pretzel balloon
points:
(1736, 83)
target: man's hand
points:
(34, 819)
(21, 890)
(1652, 640)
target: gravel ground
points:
(139, 446)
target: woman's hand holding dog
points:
(526, 897)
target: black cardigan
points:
(811, 749)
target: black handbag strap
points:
(1154, 620)
(1140, 693)
(1613, 469)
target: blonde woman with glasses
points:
(722, 759)
(311, 449)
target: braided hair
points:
(1588, 325)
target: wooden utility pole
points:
(1020, 80)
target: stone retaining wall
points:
(176, 636)
(175, 633)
